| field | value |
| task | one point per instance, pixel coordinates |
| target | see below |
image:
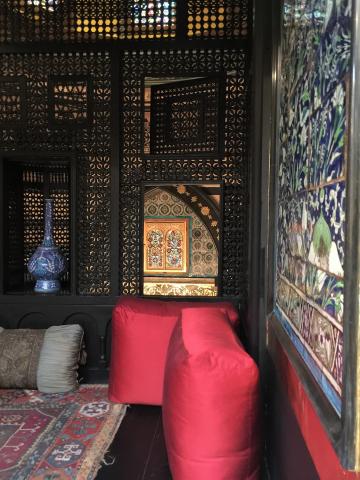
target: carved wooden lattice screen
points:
(78, 124)
(231, 166)
(86, 20)
(186, 117)
(58, 116)
(218, 18)
(94, 20)
(12, 91)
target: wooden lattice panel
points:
(185, 117)
(88, 147)
(69, 101)
(12, 91)
(230, 166)
(86, 20)
(218, 18)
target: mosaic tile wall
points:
(312, 184)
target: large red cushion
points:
(141, 329)
(211, 401)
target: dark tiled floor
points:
(138, 448)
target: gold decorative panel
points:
(166, 245)
(180, 287)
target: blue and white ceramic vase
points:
(47, 263)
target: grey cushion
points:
(59, 359)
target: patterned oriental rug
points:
(56, 436)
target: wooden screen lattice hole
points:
(186, 120)
(185, 117)
(69, 101)
(86, 20)
(218, 18)
(11, 101)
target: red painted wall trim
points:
(323, 455)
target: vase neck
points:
(48, 233)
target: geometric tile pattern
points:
(312, 184)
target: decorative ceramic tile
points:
(311, 209)
(293, 241)
(306, 321)
(337, 369)
(318, 11)
(297, 226)
(284, 176)
(323, 13)
(298, 138)
(294, 308)
(326, 207)
(328, 139)
(333, 62)
(288, 28)
(282, 240)
(326, 291)
(322, 339)
(344, 9)
(330, 388)
(297, 273)
(291, 303)
(303, 26)
(282, 294)
(331, 12)
(300, 58)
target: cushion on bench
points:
(211, 401)
(141, 330)
(46, 359)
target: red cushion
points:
(211, 401)
(141, 329)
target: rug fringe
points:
(111, 460)
(99, 462)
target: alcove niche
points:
(182, 239)
(27, 181)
